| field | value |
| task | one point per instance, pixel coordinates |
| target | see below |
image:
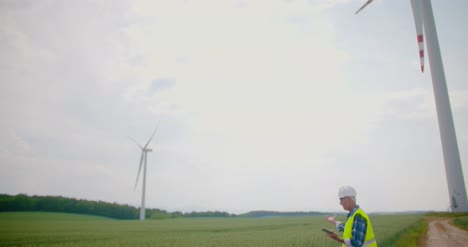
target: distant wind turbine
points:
(143, 158)
(425, 24)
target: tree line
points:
(23, 202)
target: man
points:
(357, 231)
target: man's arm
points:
(339, 225)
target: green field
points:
(56, 229)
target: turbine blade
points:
(418, 21)
(139, 169)
(135, 142)
(363, 6)
(154, 132)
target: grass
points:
(408, 237)
(53, 229)
(461, 222)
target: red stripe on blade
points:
(420, 38)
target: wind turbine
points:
(425, 24)
(143, 158)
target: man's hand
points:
(334, 236)
(330, 219)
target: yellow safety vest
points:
(348, 230)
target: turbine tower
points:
(143, 161)
(425, 24)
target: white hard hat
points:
(345, 191)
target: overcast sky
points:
(263, 105)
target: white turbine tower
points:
(143, 161)
(425, 24)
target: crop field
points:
(55, 229)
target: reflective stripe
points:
(369, 242)
(347, 242)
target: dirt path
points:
(441, 234)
